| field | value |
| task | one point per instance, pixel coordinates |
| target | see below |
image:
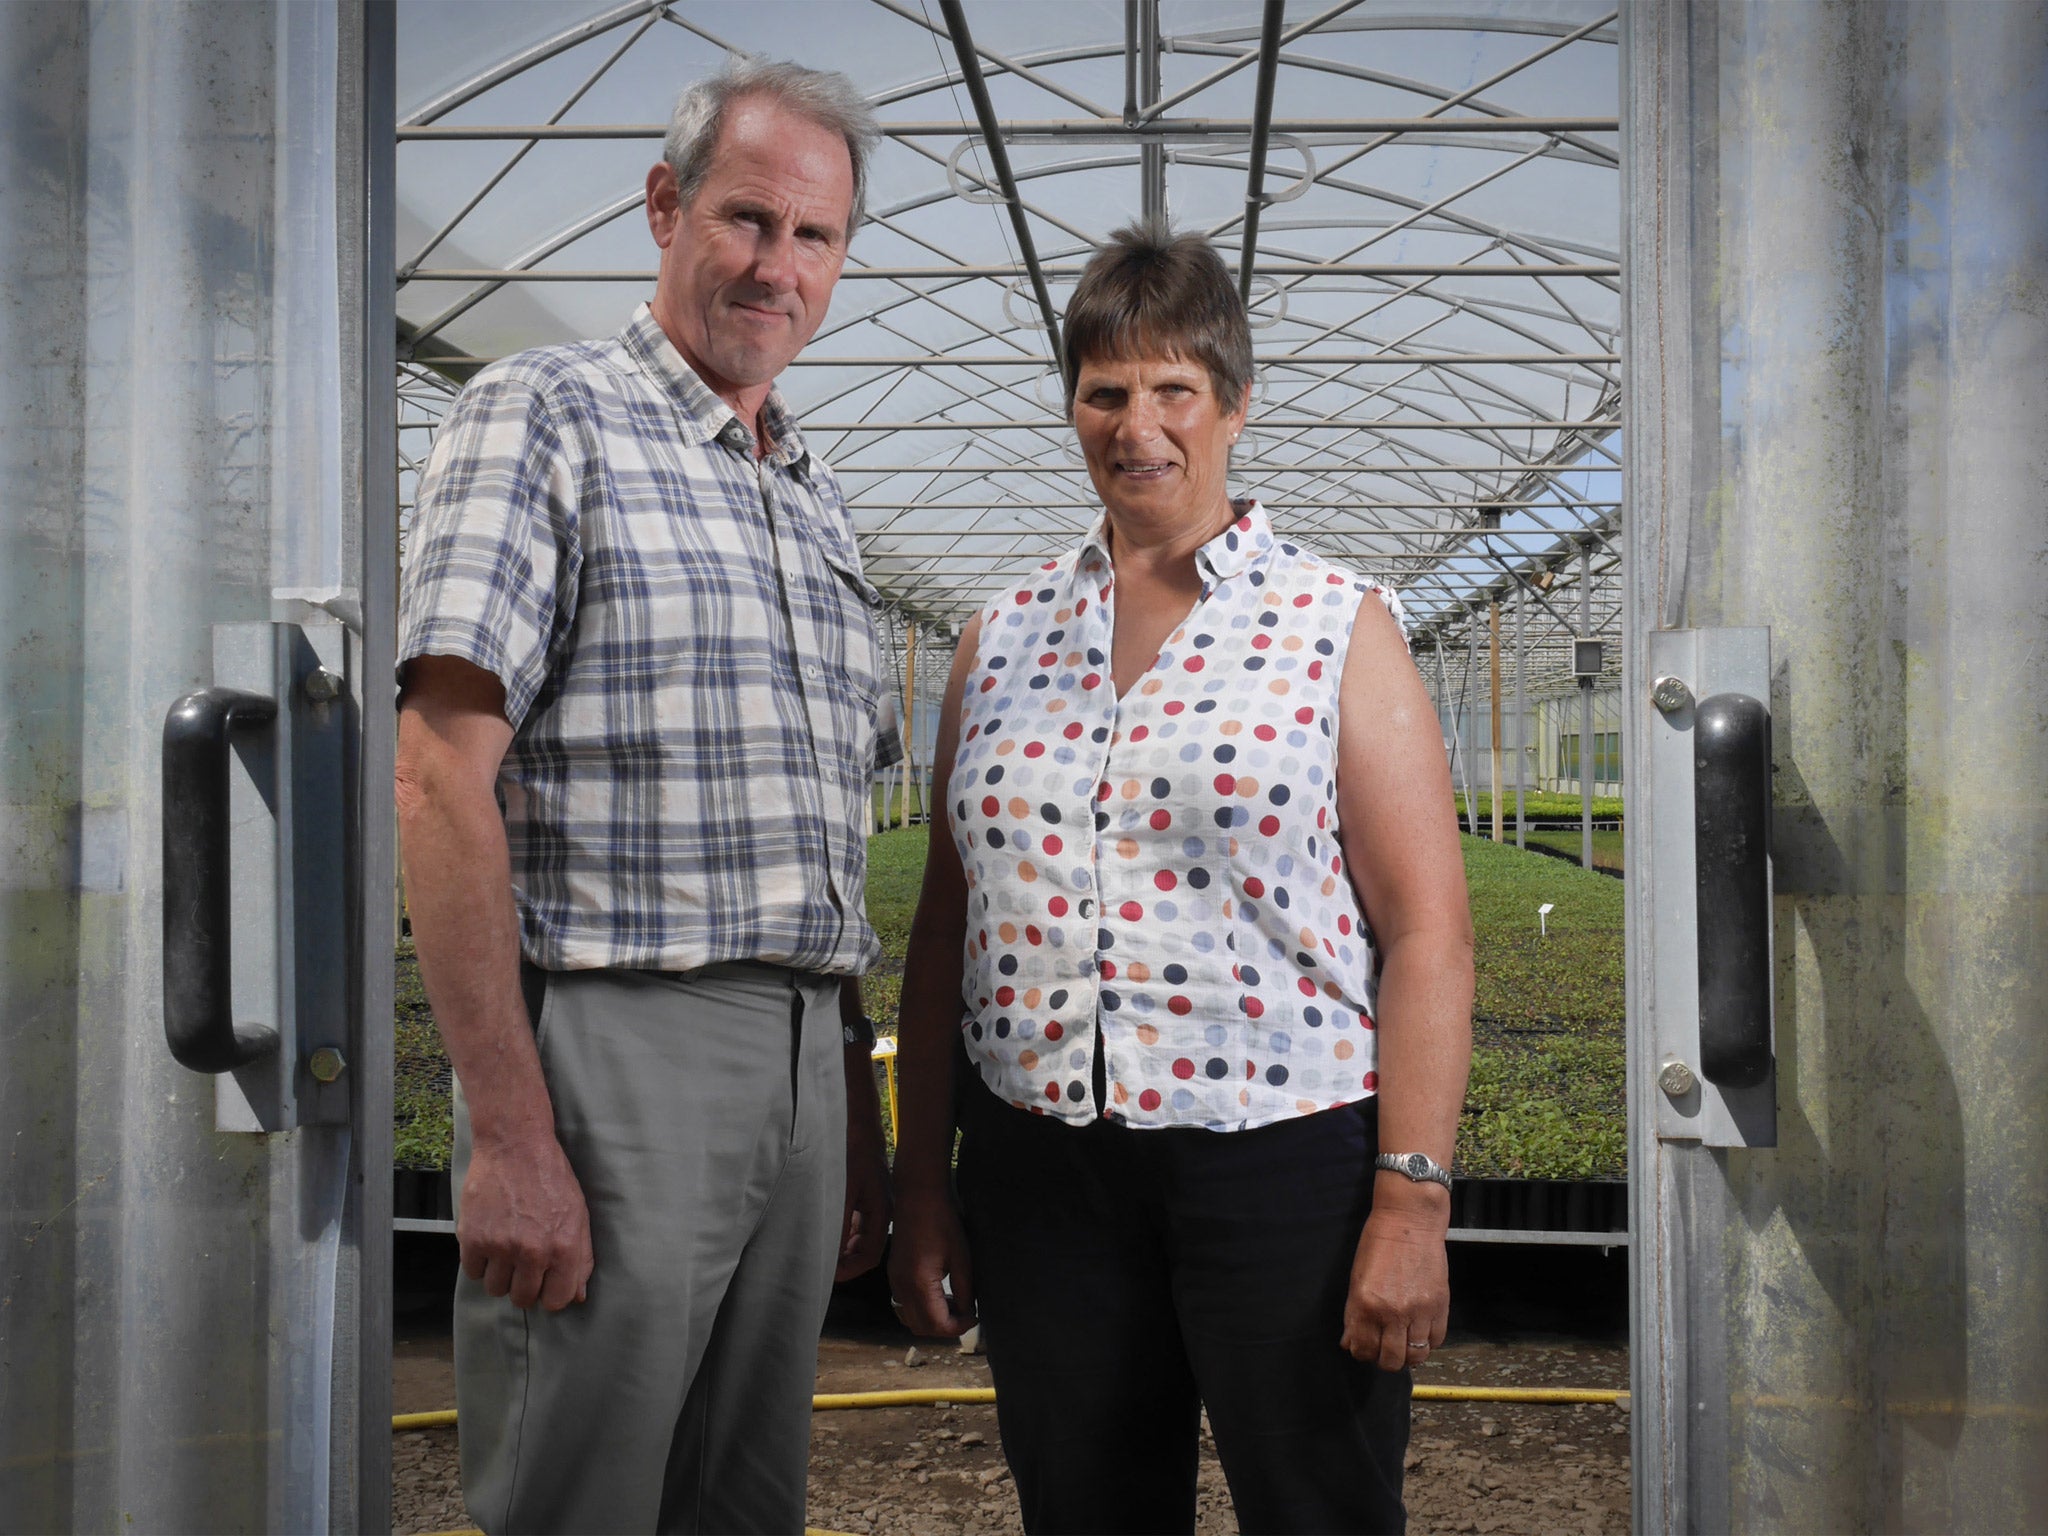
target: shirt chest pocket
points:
(846, 623)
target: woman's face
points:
(1156, 438)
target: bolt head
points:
(323, 686)
(1677, 1079)
(1670, 695)
(327, 1064)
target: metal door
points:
(1837, 373)
(196, 452)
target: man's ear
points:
(664, 210)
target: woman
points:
(1199, 941)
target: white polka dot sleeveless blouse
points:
(1165, 867)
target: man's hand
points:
(930, 1247)
(524, 1229)
(865, 1229)
(1400, 1288)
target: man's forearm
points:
(466, 930)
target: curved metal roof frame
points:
(1423, 206)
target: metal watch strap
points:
(1419, 1166)
(862, 1033)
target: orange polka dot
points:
(1127, 847)
(1054, 706)
(1147, 1034)
(1132, 789)
(1244, 1096)
(1005, 747)
(1247, 787)
(1329, 885)
(1026, 871)
(1308, 940)
(1278, 685)
(1291, 643)
(1007, 933)
(1152, 686)
(1305, 1106)
(1343, 1050)
(1138, 970)
(1230, 727)
(1019, 807)
(1027, 1059)
(1273, 599)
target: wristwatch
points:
(862, 1033)
(1419, 1166)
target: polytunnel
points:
(1422, 207)
(1681, 362)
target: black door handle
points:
(199, 1019)
(1732, 847)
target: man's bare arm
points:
(524, 1229)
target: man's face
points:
(747, 269)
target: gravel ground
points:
(1478, 1467)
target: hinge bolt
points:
(323, 686)
(327, 1064)
(1670, 695)
(1677, 1079)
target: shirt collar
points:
(1246, 539)
(703, 414)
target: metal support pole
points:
(1586, 711)
(1262, 124)
(1521, 715)
(909, 718)
(1152, 153)
(1493, 635)
(999, 157)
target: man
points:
(636, 740)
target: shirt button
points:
(813, 669)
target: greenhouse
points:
(1679, 364)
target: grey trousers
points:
(705, 1116)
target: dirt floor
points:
(1471, 1467)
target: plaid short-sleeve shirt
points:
(689, 655)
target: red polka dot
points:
(1109, 970)
(1226, 783)
(990, 805)
(1180, 1005)
(1033, 936)
(1023, 598)
(1130, 911)
(1161, 820)
(1244, 524)
(1193, 664)
(1183, 1068)
(1336, 580)
(1253, 1008)
(1261, 641)
(1141, 732)
(1304, 715)
(1005, 996)
(1034, 749)
(1250, 1071)
(1073, 732)
(1254, 886)
(1175, 706)
(1367, 1021)
(1048, 658)
(1315, 670)
(1166, 880)
(987, 683)
(1303, 601)
(1057, 906)
(1054, 1032)
(1052, 844)
(1102, 790)
(1371, 1081)
(1269, 826)
(1264, 732)
(1091, 680)
(1052, 1091)
(1149, 1099)
(1308, 988)
(1343, 922)
(1081, 606)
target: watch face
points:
(1418, 1165)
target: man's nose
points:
(775, 261)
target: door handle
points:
(199, 1022)
(1732, 843)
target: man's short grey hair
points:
(824, 96)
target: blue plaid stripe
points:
(689, 655)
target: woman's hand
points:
(929, 1246)
(1400, 1295)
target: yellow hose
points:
(917, 1397)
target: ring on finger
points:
(1414, 1347)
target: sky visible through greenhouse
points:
(1435, 282)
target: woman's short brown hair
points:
(1149, 292)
